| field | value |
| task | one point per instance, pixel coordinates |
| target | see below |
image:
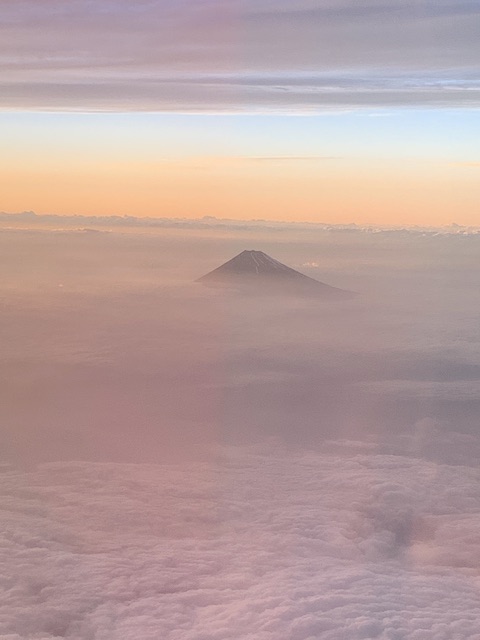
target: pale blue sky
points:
(445, 135)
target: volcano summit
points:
(258, 272)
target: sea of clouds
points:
(260, 544)
(187, 464)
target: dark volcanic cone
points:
(258, 272)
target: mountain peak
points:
(259, 272)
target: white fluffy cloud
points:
(258, 544)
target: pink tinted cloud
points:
(198, 56)
(260, 545)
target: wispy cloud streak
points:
(223, 55)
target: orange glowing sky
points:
(343, 192)
(375, 176)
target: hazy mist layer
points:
(184, 463)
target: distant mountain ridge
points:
(211, 222)
(257, 271)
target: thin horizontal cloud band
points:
(115, 55)
(217, 98)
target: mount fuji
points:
(256, 271)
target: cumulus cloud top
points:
(224, 55)
(261, 544)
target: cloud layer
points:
(183, 464)
(258, 544)
(102, 223)
(220, 55)
(112, 352)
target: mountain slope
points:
(257, 271)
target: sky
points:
(328, 110)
